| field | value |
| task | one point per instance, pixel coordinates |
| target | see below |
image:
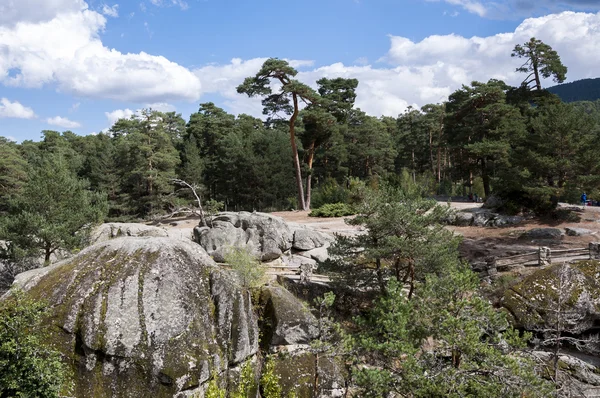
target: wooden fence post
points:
(490, 265)
(544, 257)
(594, 250)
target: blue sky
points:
(78, 65)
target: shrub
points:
(245, 265)
(28, 367)
(333, 210)
(269, 381)
(329, 192)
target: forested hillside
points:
(580, 90)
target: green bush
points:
(333, 210)
(329, 192)
(245, 264)
(28, 367)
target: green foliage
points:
(245, 264)
(13, 172)
(540, 61)
(270, 381)
(329, 192)
(405, 238)
(333, 210)
(54, 211)
(246, 382)
(28, 367)
(579, 90)
(213, 390)
(446, 342)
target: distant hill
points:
(580, 90)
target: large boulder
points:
(114, 230)
(286, 321)
(308, 239)
(570, 290)
(145, 317)
(268, 236)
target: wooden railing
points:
(542, 257)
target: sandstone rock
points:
(574, 231)
(115, 230)
(287, 320)
(144, 317)
(543, 233)
(267, 235)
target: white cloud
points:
(501, 9)
(118, 114)
(10, 109)
(66, 51)
(63, 122)
(162, 107)
(166, 3)
(428, 71)
(33, 11)
(110, 11)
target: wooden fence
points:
(542, 257)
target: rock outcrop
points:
(288, 322)
(268, 236)
(141, 317)
(482, 218)
(114, 230)
(571, 291)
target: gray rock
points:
(532, 303)
(145, 316)
(482, 219)
(267, 235)
(319, 254)
(543, 233)
(308, 239)
(116, 230)
(493, 202)
(573, 231)
(464, 219)
(501, 220)
(576, 377)
(290, 322)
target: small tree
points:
(55, 211)
(404, 239)
(28, 367)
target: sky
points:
(81, 65)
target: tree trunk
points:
(485, 177)
(297, 168)
(311, 156)
(538, 84)
(431, 151)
